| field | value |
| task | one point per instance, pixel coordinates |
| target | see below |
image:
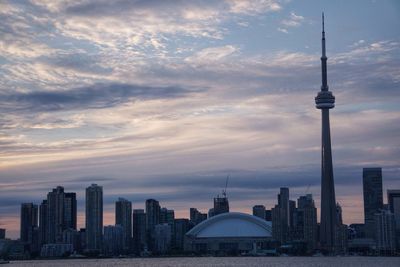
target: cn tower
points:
(325, 101)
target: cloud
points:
(293, 20)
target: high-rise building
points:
(196, 216)
(341, 235)
(259, 211)
(123, 217)
(2, 233)
(72, 236)
(281, 217)
(221, 205)
(162, 237)
(61, 214)
(139, 230)
(306, 206)
(70, 211)
(152, 219)
(325, 101)
(55, 215)
(113, 244)
(29, 221)
(182, 226)
(385, 232)
(268, 215)
(94, 218)
(43, 223)
(393, 197)
(373, 198)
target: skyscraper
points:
(94, 218)
(43, 222)
(385, 232)
(259, 211)
(55, 215)
(152, 219)
(139, 230)
(373, 198)
(196, 216)
(70, 211)
(281, 217)
(394, 205)
(325, 101)
(221, 205)
(113, 240)
(308, 211)
(29, 221)
(123, 217)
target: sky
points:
(165, 98)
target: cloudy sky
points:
(164, 98)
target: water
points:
(219, 262)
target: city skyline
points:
(167, 112)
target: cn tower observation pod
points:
(232, 231)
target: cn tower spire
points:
(325, 101)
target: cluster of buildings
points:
(290, 227)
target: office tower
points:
(29, 221)
(72, 236)
(61, 214)
(259, 211)
(113, 244)
(94, 218)
(152, 219)
(308, 211)
(196, 216)
(211, 213)
(55, 215)
(163, 234)
(325, 101)
(43, 222)
(393, 197)
(268, 215)
(70, 211)
(373, 198)
(82, 238)
(2, 233)
(139, 230)
(221, 205)
(340, 233)
(123, 217)
(182, 226)
(292, 211)
(385, 230)
(281, 217)
(167, 216)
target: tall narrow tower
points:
(325, 101)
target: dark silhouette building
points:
(139, 230)
(43, 223)
(70, 211)
(182, 226)
(94, 218)
(373, 198)
(221, 205)
(196, 216)
(152, 219)
(281, 217)
(325, 101)
(259, 211)
(2, 233)
(29, 222)
(123, 217)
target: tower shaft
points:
(325, 101)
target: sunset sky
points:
(163, 99)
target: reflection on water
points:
(219, 262)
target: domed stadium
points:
(229, 232)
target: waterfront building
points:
(72, 236)
(28, 222)
(385, 232)
(232, 232)
(113, 240)
(123, 217)
(259, 211)
(373, 198)
(70, 214)
(139, 230)
(182, 226)
(196, 216)
(163, 234)
(308, 214)
(152, 219)
(281, 217)
(2, 233)
(325, 101)
(43, 219)
(94, 218)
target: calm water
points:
(220, 262)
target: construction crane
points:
(226, 186)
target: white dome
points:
(232, 224)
